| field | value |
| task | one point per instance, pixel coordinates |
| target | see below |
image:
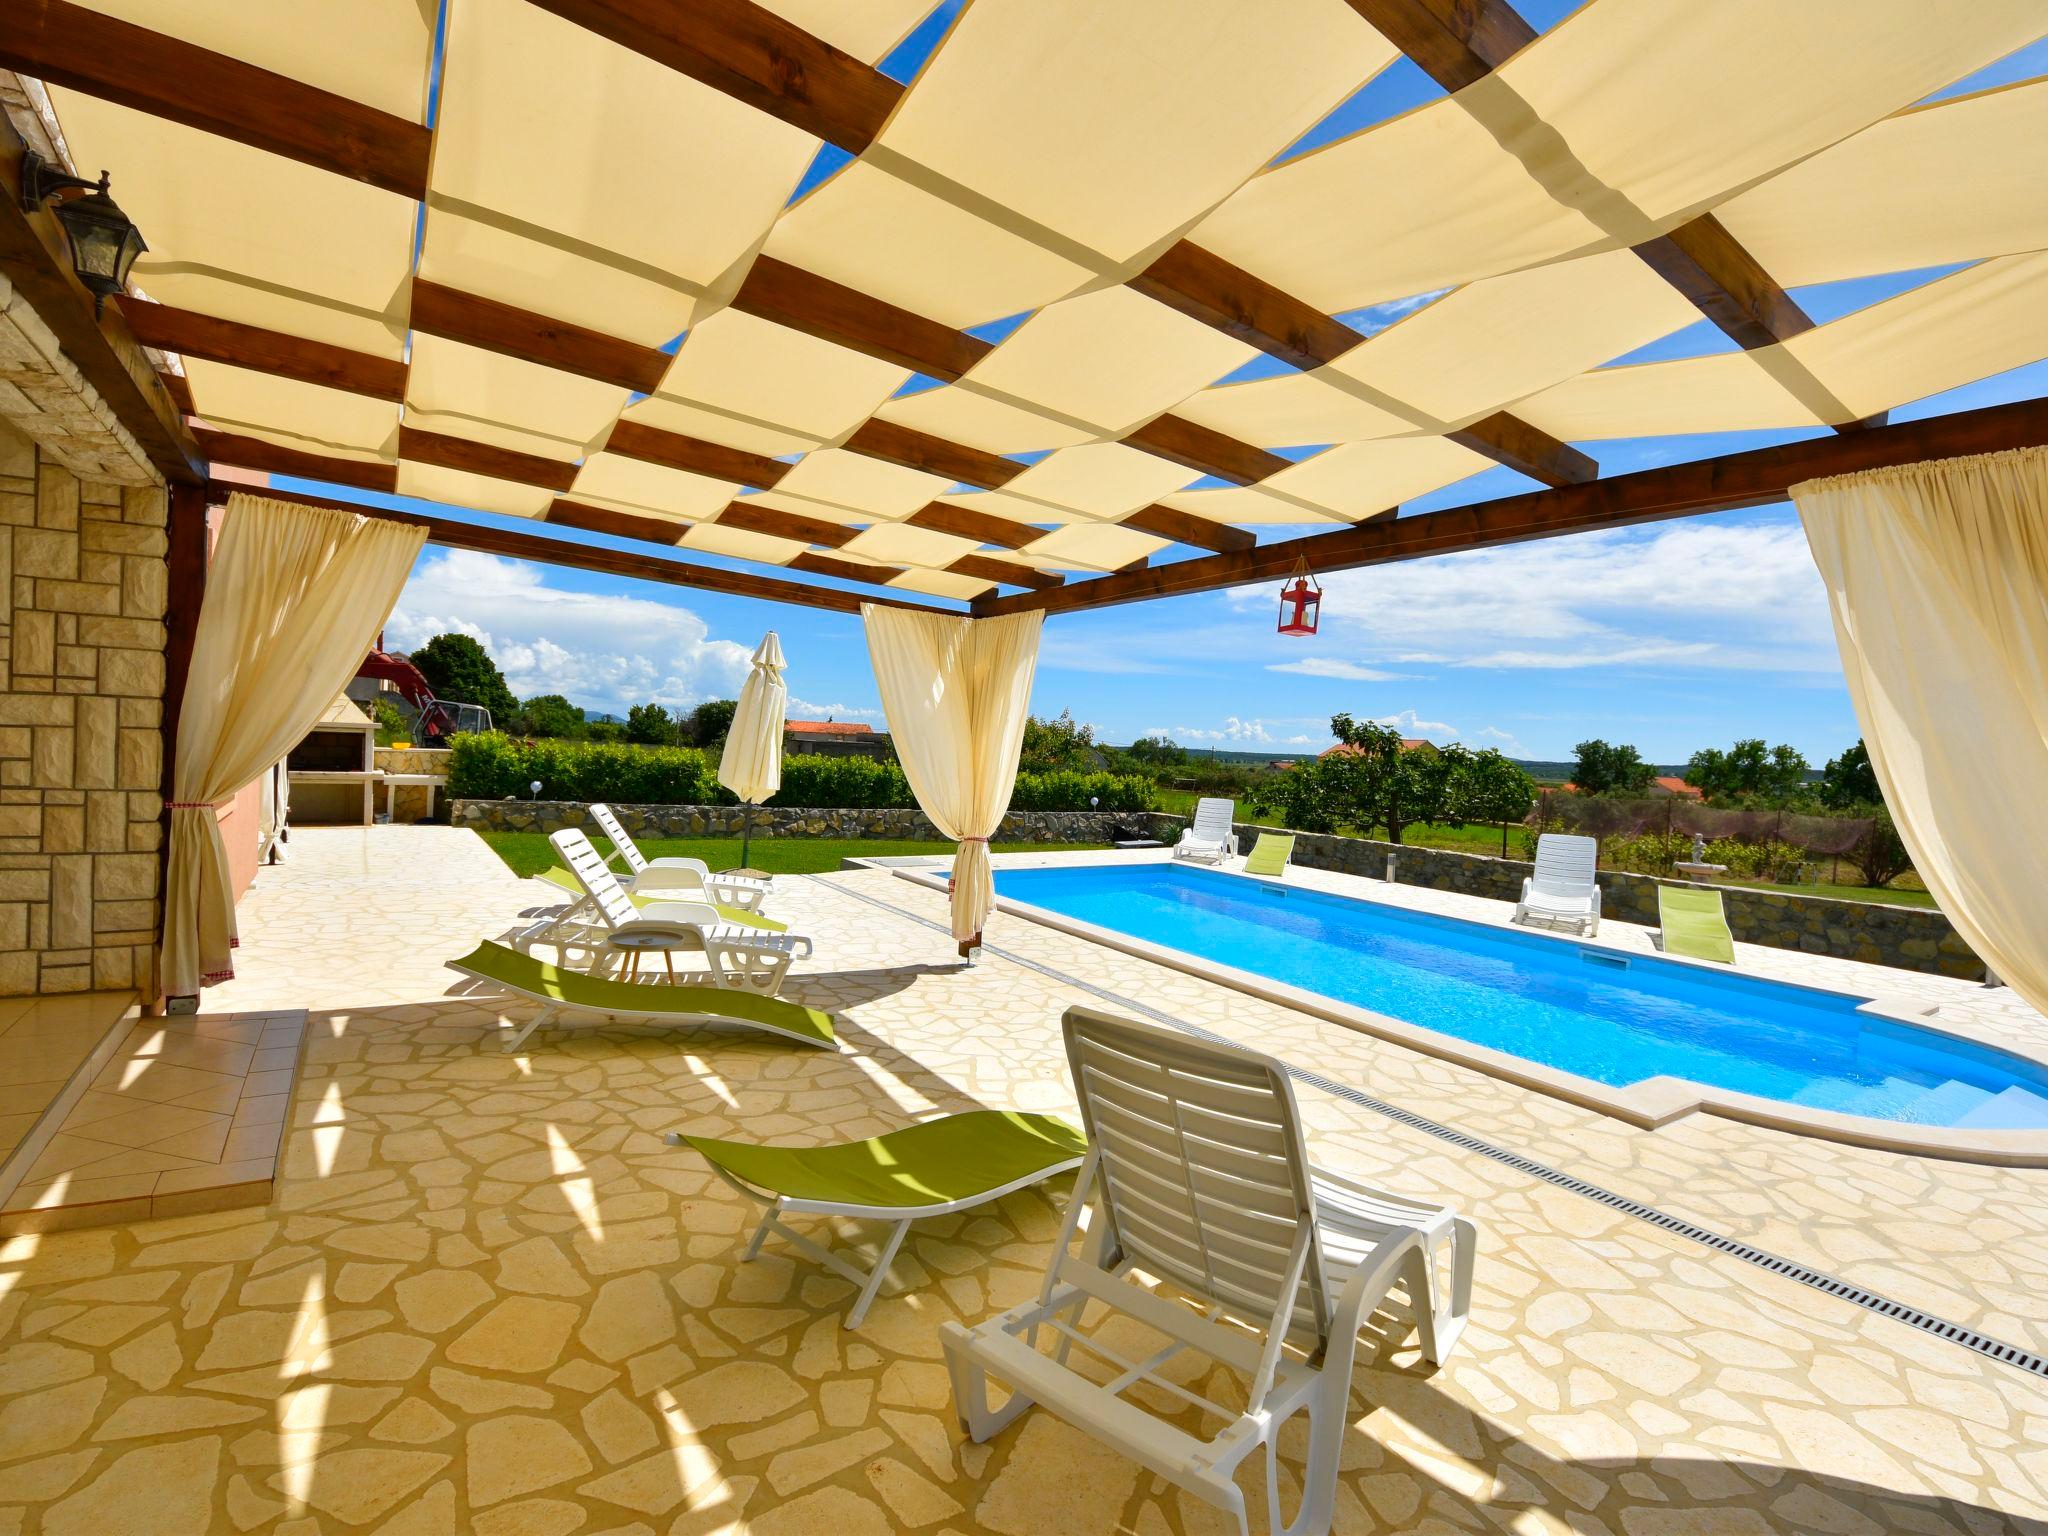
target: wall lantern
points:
(1301, 602)
(104, 240)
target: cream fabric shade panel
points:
(1358, 480)
(941, 584)
(1934, 574)
(741, 544)
(1100, 480)
(1494, 341)
(1110, 126)
(561, 137)
(1018, 509)
(779, 379)
(1094, 546)
(293, 414)
(468, 392)
(960, 413)
(1633, 114)
(636, 482)
(803, 506)
(1290, 410)
(1112, 359)
(867, 30)
(887, 238)
(901, 544)
(862, 484)
(334, 270)
(1969, 325)
(1949, 182)
(1247, 504)
(373, 51)
(459, 488)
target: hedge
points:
(492, 766)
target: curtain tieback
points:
(192, 805)
(973, 839)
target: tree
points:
(549, 714)
(1599, 769)
(1849, 780)
(1158, 751)
(1313, 796)
(1395, 786)
(1879, 856)
(710, 721)
(604, 730)
(1749, 771)
(1487, 787)
(1052, 745)
(650, 725)
(457, 667)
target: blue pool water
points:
(1611, 1018)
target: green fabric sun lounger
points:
(559, 990)
(567, 881)
(1694, 923)
(1270, 854)
(930, 1169)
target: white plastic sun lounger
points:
(687, 879)
(1197, 1175)
(745, 959)
(1563, 892)
(1209, 837)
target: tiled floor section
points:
(188, 1117)
(43, 1043)
(487, 1298)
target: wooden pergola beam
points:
(817, 306)
(1221, 295)
(450, 533)
(532, 338)
(90, 51)
(1204, 450)
(1509, 440)
(982, 527)
(1455, 42)
(1187, 528)
(191, 334)
(472, 457)
(752, 54)
(609, 520)
(694, 455)
(1748, 479)
(272, 459)
(896, 444)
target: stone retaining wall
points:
(414, 760)
(781, 821)
(1910, 938)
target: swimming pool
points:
(1614, 1018)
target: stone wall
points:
(1911, 938)
(414, 760)
(779, 821)
(82, 592)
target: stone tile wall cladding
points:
(780, 821)
(83, 580)
(1911, 938)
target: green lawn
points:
(528, 853)
(1890, 896)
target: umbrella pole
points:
(746, 832)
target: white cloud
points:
(804, 709)
(604, 651)
(1331, 666)
(1408, 723)
(1726, 596)
(1249, 732)
(1494, 736)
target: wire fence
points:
(1649, 835)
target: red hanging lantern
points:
(1301, 602)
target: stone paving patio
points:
(486, 1297)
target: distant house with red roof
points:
(834, 738)
(1347, 749)
(1671, 784)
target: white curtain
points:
(294, 596)
(1937, 578)
(956, 691)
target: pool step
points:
(2016, 1109)
(1945, 1104)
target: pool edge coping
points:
(1649, 1104)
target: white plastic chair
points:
(1197, 1175)
(1209, 837)
(1563, 891)
(688, 878)
(742, 958)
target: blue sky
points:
(1672, 637)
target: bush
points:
(491, 766)
(1066, 790)
(1880, 857)
(837, 783)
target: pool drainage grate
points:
(1678, 1226)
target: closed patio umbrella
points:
(752, 765)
